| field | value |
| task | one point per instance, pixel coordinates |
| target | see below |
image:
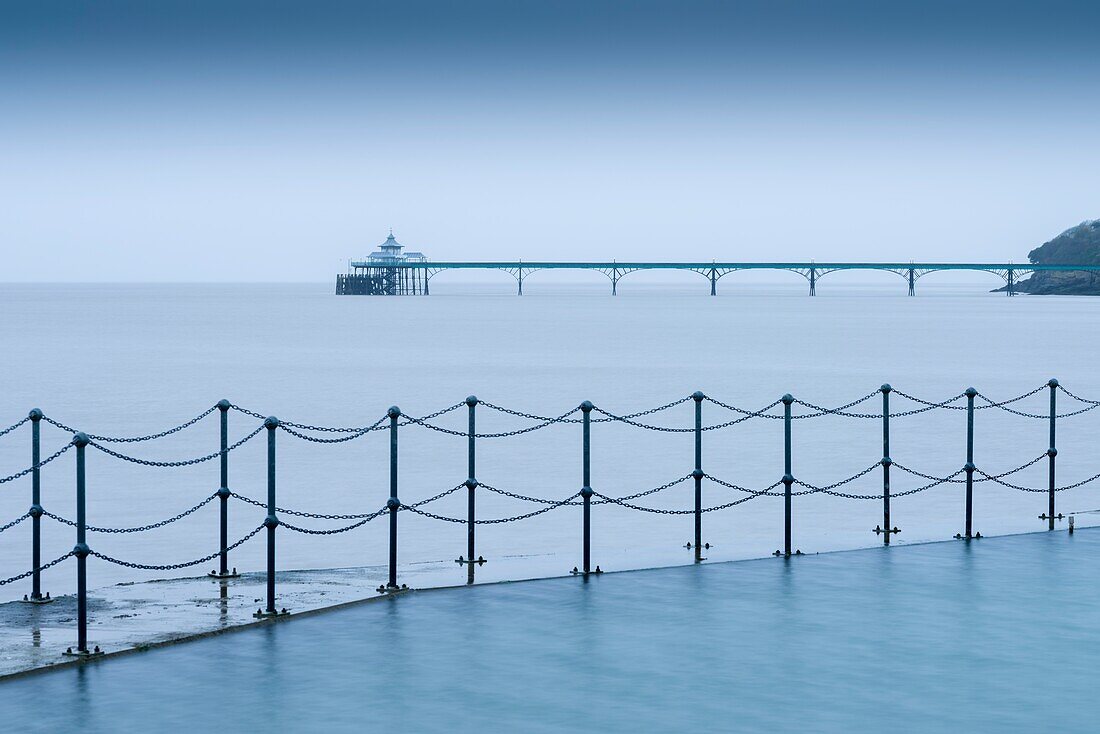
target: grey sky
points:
(247, 141)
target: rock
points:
(1078, 245)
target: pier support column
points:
(912, 282)
(1010, 289)
(614, 281)
(519, 277)
(813, 281)
(713, 281)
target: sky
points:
(249, 141)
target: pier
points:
(389, 272)
(709, 493)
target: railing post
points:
(471, 484)
(1052, 453)
(788, 478)
(885, 530)
(271, 521)
(223, 496)
(81, 551)
(36, 511)
(697, 475)
(969, 466)
(586, 490)
(393, 504)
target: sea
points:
(126, 360)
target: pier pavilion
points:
(386, 272)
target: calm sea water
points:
(131, 359)
(995, 635)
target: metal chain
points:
(441, 495)
(659, 511)
(539, 500)
(828, 489)
(995, 477)
(767, 491)
(296, 513)
(535, 500)
(331, 429)
(748, 413)
(563, 419)
(545, 422)
(922, 475)
(39, 465)
(1078, 398)
(931, 405)
(254, 414)
(352, 436)
(15, 522)
(26, 574)
(11, 428)
(1039, 416)
(135, 439)
(935, 483)
(496, 521)
(334, 531)
(668, 429)
(184, 462)
(840, 410)
(174, 566)
(647, 492)
(1075, 485)
(139, 529)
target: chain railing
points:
(584, 416)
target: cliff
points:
(1078, 245)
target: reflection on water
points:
(986, 635)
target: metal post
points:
(224, 494)
(36, 510)
(697, 475)
(81, 549)
(969, 466)
(1052, 452)
(271, 521)
(912, 283)
(393, 503)
(614, 281)
(813, 281)
(788, 478)
(886, 530)
(520, 277)
(1011, 283)
(471, 481)
(713, 281)
(586, 490)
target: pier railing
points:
(874, 406)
